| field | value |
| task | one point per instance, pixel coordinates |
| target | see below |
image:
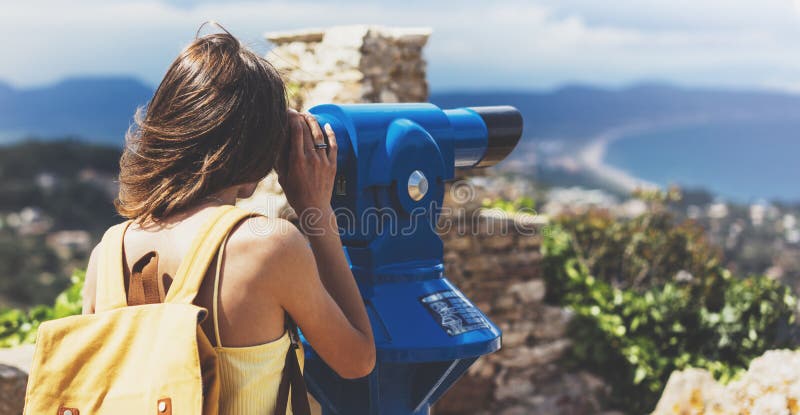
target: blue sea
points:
(742, 161)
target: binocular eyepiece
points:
(504, 129)
(484, 136)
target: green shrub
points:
(650, 297)
(524, 203)
(19, 327)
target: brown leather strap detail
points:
(292, 377)
(164, 406)
(144, 286)
(68, 411)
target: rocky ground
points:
(771, 386)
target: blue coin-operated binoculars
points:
(393, 162)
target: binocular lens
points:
(505, 129)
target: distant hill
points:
(733, 143)
(100, 109)
(97, 109)
(578, 111)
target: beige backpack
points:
(151, 357)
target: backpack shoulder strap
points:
(110, 272)
(144, 284)
(204, 248)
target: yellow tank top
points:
(249, 376)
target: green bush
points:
(19, 327)
(650, 297)
(525, 204)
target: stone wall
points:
(12, 389)
(495, 260)
(346, 64)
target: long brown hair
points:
(217, 119)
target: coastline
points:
(592, 155)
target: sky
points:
(509, 45)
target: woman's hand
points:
(307, 173)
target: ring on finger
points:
(320, 146)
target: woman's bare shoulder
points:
(260, 241)
(263, 234)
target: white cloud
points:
(510, 44)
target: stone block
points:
(532, 291)
(12, 390)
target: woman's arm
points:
(335, 271)
(307, 177)
(343, 342)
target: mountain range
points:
(97, 109)
(576, 112)
(100, 109)
(690, 136)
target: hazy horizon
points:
(644, 82)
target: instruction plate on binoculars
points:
(454, 313)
